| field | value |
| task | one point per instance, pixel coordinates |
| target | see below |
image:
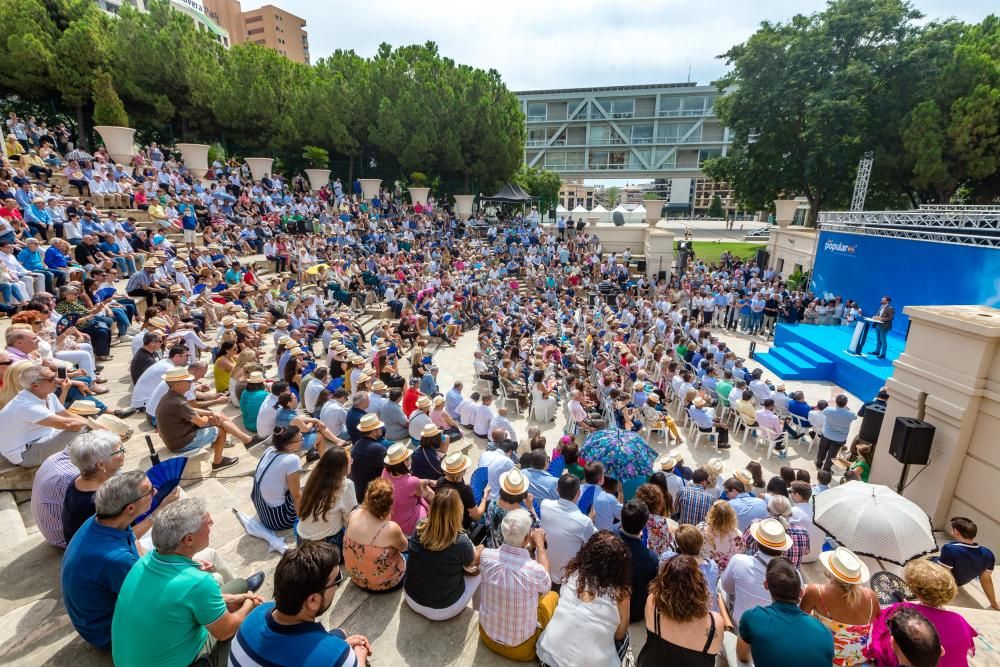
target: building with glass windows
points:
(657, 131)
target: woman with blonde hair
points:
(934, 586)
(720, 530)
(443, 566)
(844, 605)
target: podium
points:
(860, 336)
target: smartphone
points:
(61, 373)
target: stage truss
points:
(963, 225)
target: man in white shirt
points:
(268, 413)
(566, 527)
(482, 417)
(501, 423)
(802, 515)
(152, 376)
(467, 410)
(36, 425)
(376, 397)
(743, 579)
(334, 414)
(759, 388)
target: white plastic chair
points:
(769, 438)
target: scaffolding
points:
(963, 225)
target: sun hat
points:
(770, 533)
(455, 463)
(699, 402)
(397, 453)
(284, 340)
(255, 378)
(158, 322)
(228, 321)
(438, 400)
(84, 407)
(513, 482)
(369, 422)
(424, 402)
(178, 264)
(430, 430)
(364, 377)
(715, 465)
(177, 289)
(744, 476)
(378, 385)
(178, 374)
(281, 324)
(654, 397)
(667, 462)
(296, 351)
(844, 565)
(637, 385)
(242, 323)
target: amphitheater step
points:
(12, 528)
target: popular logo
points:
(839, 247)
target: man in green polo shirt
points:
(766, 632)
(170, 611)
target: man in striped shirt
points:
(516, 603)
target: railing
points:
(954, 224)
(683, 112)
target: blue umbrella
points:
(625, 454)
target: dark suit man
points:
(885, 315)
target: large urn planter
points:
(784, 211)
(370, 187)
(120, 141)
(195, 158)
(463, 205)
(654, 210)
(318, 178)
(418, 195)
(260, 166)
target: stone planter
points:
(418, 195)
(369, 187)
(119, 141)
(784, 211)
(318, 178)
(592, 220)
(259, 166)
(652, 222)
(195, 158)
(463, 205)
(654, 209)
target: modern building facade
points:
(193, 8)
(642, 131)
(277, 29)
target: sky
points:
(568, 43)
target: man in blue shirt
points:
(835, 430)
(285, 632)
(748, 507)
(542, 484)
(768, 633)
(968, 560)
(101, 554)
(428, 382)
(452, 400)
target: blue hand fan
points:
(66, 321)
(105, 293)
(165, 477)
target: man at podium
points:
(883, 323)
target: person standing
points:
(836, 426)
(884, 316)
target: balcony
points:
(673, 113)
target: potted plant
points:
(318, 160)
(111, 121)
(418, 188)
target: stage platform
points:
(819, 352)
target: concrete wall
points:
(655, 243)
(949, 376)
(794, 246)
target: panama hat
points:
(455, 463)
(177, 289)
(770, 533)
(281, 324)
(699, 402)
(158, 322)
(654, 397)
(744, 476)
(178, 264)
(397, 454)
(513, 482)
(255, 378)
(84, 407)
(438, 400)
(424, 402)
(715, 465)
(667, 462)
(369, 422)
(178, 374)
(843, 564)
(430, 430)
(228, 321)
(284, 340)
(378, 385)
(242, 323)
(637, 385)
(295, 351)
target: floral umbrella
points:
(625, 454)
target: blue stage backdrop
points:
(912, 273)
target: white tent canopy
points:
(598, 209)
(579, 210)
(561, 209)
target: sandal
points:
(99, 390)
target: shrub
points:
(108, 107)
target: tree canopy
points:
(805, 99)
(405, 109)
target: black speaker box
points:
(911, 440)
(871, 423)
(641, 266)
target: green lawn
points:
(711, 252)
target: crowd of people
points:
(366, 456)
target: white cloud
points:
(566, 43)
